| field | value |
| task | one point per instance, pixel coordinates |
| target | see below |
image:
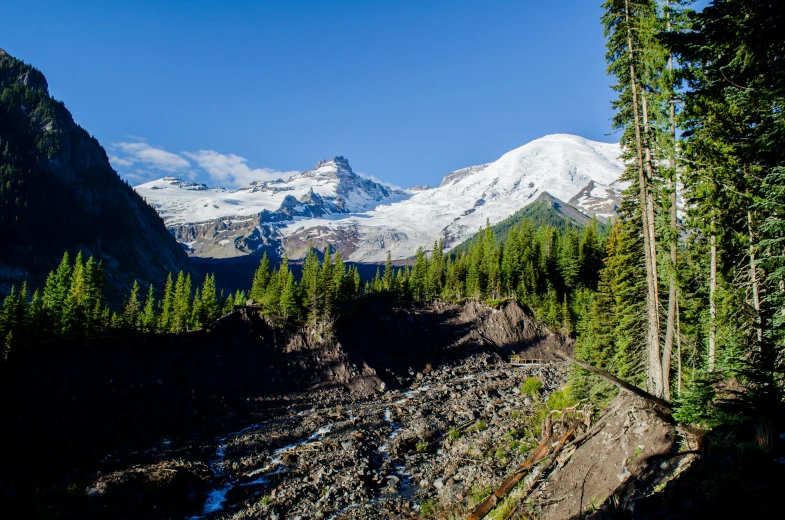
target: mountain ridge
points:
(331, 205)
(59, 193)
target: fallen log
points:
(660, 403)
(510, 482)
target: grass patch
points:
(454, 434)
(429, 507)
(531, 386)
(480, 426)
(478, 494)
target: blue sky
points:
(228, 91)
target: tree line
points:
(547, 268)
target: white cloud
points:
(118, 161)
(151, 157)
(232, 169)
(141, 162)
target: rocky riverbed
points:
(438, 443)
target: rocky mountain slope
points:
(364, 220)
(58, 192)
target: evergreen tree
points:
(197, 319)
(74, 309)
(388, 281)
(309, 284)
(636, 58)
(209, 300)
(260, 280)
(166, 316)
(339, 277)
(326, 289)
(55, 294)
(147, 320)
(131, 309)
(288, 300)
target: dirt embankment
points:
(618, 455)
(79, 402)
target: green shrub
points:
(557, 400)
(428, 507)
(531, 386)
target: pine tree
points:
(326, 289)
(388, 281)
(131, 309)
(147, 320)
(260, 280)
(436, 271)
(197, 319)
(166, 316)
(74, 309)
(95, 301)
(181, 305)
(635, 59)
(419, 276)
(288, 300)
(309, 284)
(339, 277)
(209, 300)
(55, 293)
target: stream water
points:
(216, 498)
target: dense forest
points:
(690, 303)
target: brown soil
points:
(621, 450)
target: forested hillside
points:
(58, 192)
(546, 210)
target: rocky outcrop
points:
(601, 202)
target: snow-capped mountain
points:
(331, 187)
(364, 219)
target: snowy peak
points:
(331, 187)
(332, 205)
(337, 163)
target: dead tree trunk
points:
(663, 404)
